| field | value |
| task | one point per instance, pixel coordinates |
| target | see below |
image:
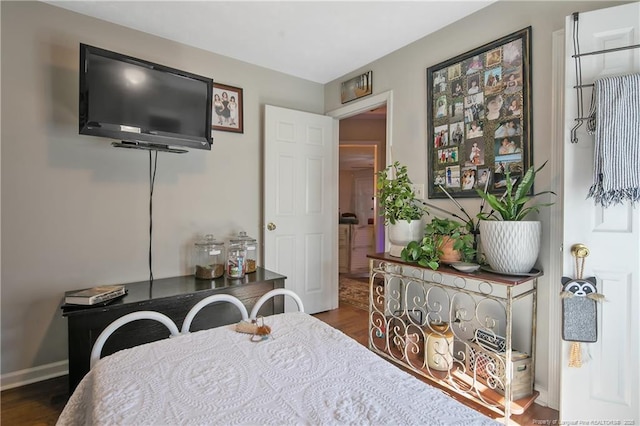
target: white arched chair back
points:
(273, 293)
(209, 300)
(96, 351)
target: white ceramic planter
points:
(510, 247)
(402, 233)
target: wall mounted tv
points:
(142, 104)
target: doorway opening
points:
(357, 206)
(368, 122)
(362, 153)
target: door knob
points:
(579, 251)
(271, 226)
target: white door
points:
(301, 204)
(607, 385)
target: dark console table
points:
(170, 296)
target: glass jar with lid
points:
(236, 260)
(250, 245)
(209, 258)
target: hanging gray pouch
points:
(579, 311)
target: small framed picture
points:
(227, 108)
(356, 87)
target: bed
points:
(306, 372)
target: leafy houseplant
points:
(430, 250)
(401, 210)
(511, 207)
(510, 243)
(396, 196)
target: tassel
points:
(596, 296)
(593, 296)
(575, 355)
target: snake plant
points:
(512, 206)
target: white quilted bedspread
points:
(308, 373)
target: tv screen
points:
(143, 104)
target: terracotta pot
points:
(449, 255)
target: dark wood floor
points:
(41, 403)
(37, 404)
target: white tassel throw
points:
(614, 119)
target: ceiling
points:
(314, 40)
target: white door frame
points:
(554, 355)
(367, 104)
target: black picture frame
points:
(479, 120)
(225, 118)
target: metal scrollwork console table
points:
(472, 333)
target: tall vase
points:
(402, 233)
(510, 247)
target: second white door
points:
(606, 389)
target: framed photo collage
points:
(479, 118)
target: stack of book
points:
(95, 295)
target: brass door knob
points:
(580, 251)
(271, 226)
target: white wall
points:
(74, 209)
(404, 72)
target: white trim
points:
(556, 226)
(363, 105)
(367, 104)
(33, 375)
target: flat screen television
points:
(142, 104)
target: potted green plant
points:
(444, 241)
(401, 210)
(510, 243)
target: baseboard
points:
(33, 375)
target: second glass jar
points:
(236, 260)
(250, 245)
